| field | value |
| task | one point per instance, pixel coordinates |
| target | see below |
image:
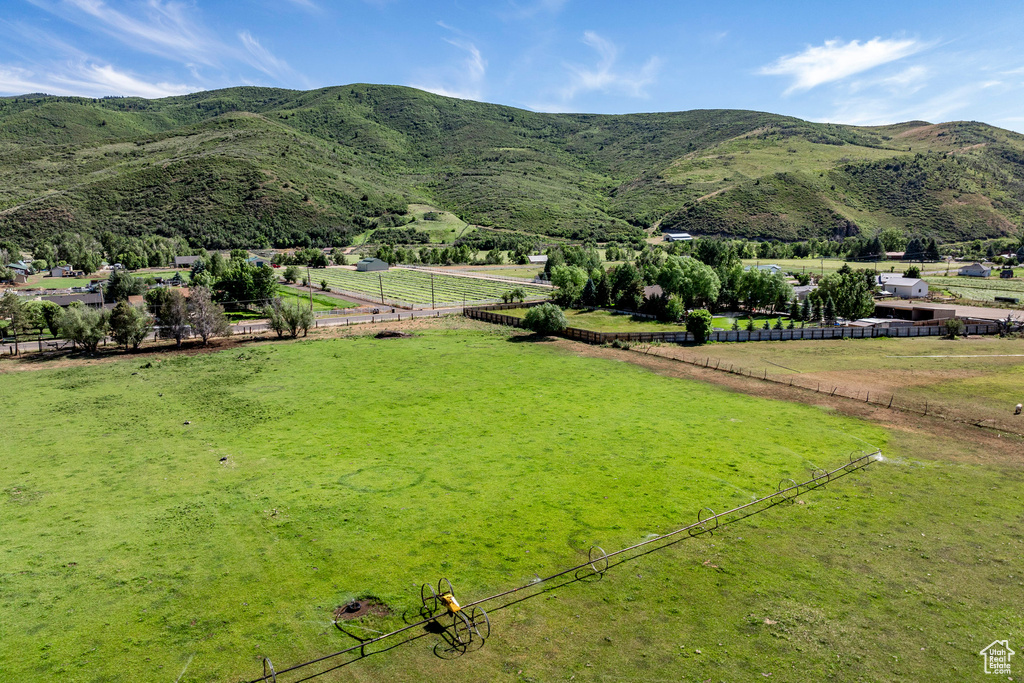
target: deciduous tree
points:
(129, 325)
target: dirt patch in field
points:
(391, 334)
(359, 608)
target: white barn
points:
(907, 287)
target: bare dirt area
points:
(916, 435)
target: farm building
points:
(538, 259)
(677, 236)
(61, 271)
(907, 287)
(21, 267)
(770, 267)
(185, 261)
(975, 270)
(885, 277)
(258, 261)
(371, 264)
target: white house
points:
(976, 270)
(907, 287)
(677, 236)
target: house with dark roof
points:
(185, 261)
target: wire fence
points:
(489, 314)
(598, 562)
(883, 398)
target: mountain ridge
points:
(252, 166)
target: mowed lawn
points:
(136, 547)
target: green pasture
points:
(979, 376)
(135, 546)
(292, 295)
(813, 266)
(524, 271)
(607, 321)
(414, 286)
(979, 289)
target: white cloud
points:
(604, 76)
(166, 29)
(85, 79)
(903, 83)
(262, 59)
(529, 10)
(174, 30)
(836, 60)
(465, 81)
(308, 5)
(871, 111)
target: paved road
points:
(399, 314)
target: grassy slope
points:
(139, 556)
(249, 166)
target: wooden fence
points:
(489, 314)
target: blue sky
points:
(864, 63)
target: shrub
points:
(954, 327)
(674, 309)
(545, 319)
(698, 323)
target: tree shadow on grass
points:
(531, 338)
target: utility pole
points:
(380, 278)
(310, 283)
(432, 291)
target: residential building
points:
(976, 270)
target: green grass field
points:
(978, 289)
(606, 321)
(826, 266)
(978, 377)
(414, 286)
(524, 271)
(55, 282)
(186, 552)
(292, 295)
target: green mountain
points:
(260, 166)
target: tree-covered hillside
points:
(261, 167)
